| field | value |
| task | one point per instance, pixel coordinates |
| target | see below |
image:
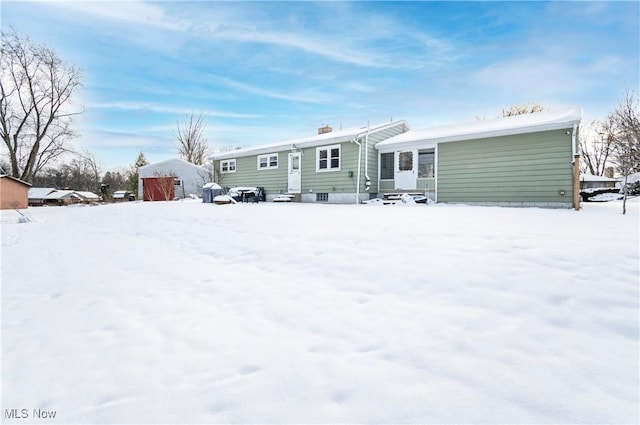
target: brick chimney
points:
(608, 172)
(325, 129)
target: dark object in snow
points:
(588, 194)
(248, 194)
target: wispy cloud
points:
(133, 12)
(305, 96)
(150, 107)
(322, 46)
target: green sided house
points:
(525, 160)
(332, 167)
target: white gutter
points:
(367, 180)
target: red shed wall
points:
(157, 188)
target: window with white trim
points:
(328, 158)
(228, 166)
(267, 161)
(426, 163)
(386, 166)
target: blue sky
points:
(262, 72)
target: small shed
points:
(13, 193)
(210, 191)
(189, 178)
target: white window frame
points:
(268, 157)
(229, 163)
(328, 149)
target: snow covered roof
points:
(40, 192)
(182, 162)
(14, 179)
(519, 124)
(592, 178)
(87, 195)
(61, 194)
(212, 186)
(338, 136)
(120, 194)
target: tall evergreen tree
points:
(132, 178)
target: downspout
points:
(355, 140)
(574, 148)
(576, 169)
(367, 180)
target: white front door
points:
(406, 169)
(295, 184)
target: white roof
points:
(15, 179)
(170, 161)
(60, 194)
(592, 178)
(519, 124)
(338, 136)
(40, 192)
(212, 186)
(87, 195)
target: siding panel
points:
(13, 194)
(533, 167)
(333, 182)
(274, 180)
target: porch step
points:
(396, 195)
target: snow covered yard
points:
(275, 313)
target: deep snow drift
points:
(186, 312)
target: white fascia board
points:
(430, 143)
(267, 149)
(533, 123)
(340, 136)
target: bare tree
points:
(527, 108)
(80, 173)
(596, 145)
(35, 110)
(626, 145)
(165, 182)
(192, 145)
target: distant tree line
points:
(82, 172)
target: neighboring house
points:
(88, 197)
(13, 193)
(333, 166)
(525, 160)
(189, 178)
(62, 197)
(38, 194)
(589, 181)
